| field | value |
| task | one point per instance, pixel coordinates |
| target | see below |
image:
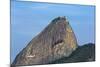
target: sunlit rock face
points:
(57, 40)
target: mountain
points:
(56, 41)
(83, 53)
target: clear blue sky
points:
(30, 18)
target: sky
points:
(29, 18)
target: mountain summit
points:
(57, 40)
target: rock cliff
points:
(57, 40)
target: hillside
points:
(83, 53)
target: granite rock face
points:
(57, 40)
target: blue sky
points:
(29, 18)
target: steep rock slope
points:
(57, 40)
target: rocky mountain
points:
(56, 41)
